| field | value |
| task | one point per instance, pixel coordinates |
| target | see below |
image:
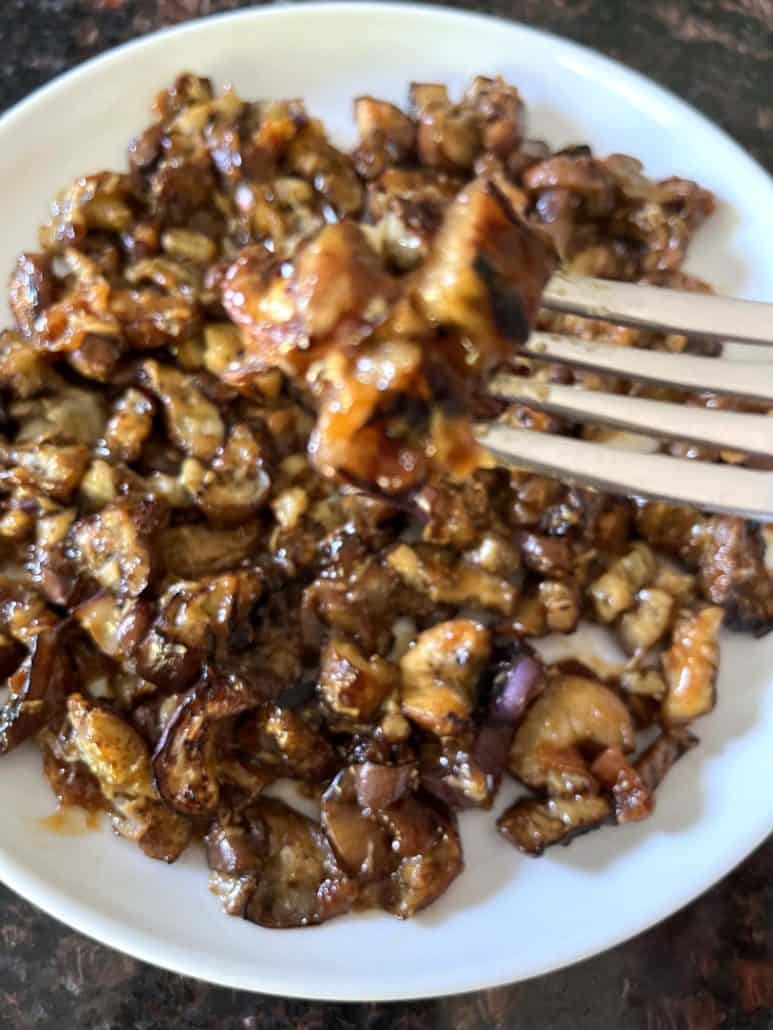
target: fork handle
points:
(692, 314)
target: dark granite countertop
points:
(708, 966)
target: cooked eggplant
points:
(690, 666)
(531, 825)
(38, 690)
(572, 713)
(633, 800)
(354, 687)
(299, 882)
(440, 675)
(426, 844)
(185, 760)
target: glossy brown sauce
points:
(71, 821)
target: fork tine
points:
(719, 488)
(718, 318)
(752, 380)
(727, 430)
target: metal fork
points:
(713, 487)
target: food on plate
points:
(249, 538)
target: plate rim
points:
(111, 931)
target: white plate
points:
(507, 917)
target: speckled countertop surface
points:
(710, 965)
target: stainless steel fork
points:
(714, 487)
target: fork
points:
(723, 488)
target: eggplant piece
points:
(38, 689)
(71, 781)
(531, 826)
(185, 760)
(485, 275)
(299, 882)
(440, 675)
(161, 833)
(170, 666)
(615, 591)
(112, 547)
(653, 765)
(54, 469)
(690, 666)
(547, 555)
(110, 748)
(23, 613)
(129, 426)
(379, 786)
(466, 771)
(428, 850)
(353, 686)
(193, 422)
(234, 846)
(572, 712)
(282, 740)
(632, 798)
(642, 627)
(193, 552)
(732, 573)
(116, 627)
(443, 578)
(516, 684)
(361, 845)
(197, 613)
(236, 484)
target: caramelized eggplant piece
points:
(361, 845)
(615, 591)
(428, 850)
(116, 627)
(185, 760)
(440, 675)
(110, 748)
(379, 786)
(690, 666)
(668, 748)
(197, 613)
(32, 290)
(486, 273)
(167, 664)
(192, 552)
(466, 771)
(37, 691)
(572, 713)
(71, 781)
(234, 847)
(299, 882)
(282, 740)
(54, 469)
(236, 484)
(632, 798)
(129, 426)
(353, 686)
(161, 833)
(193, 422)
(435, 572)
(732, 573)
(23, 613)
(531, 826)
(112, 546)
(642, 627)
